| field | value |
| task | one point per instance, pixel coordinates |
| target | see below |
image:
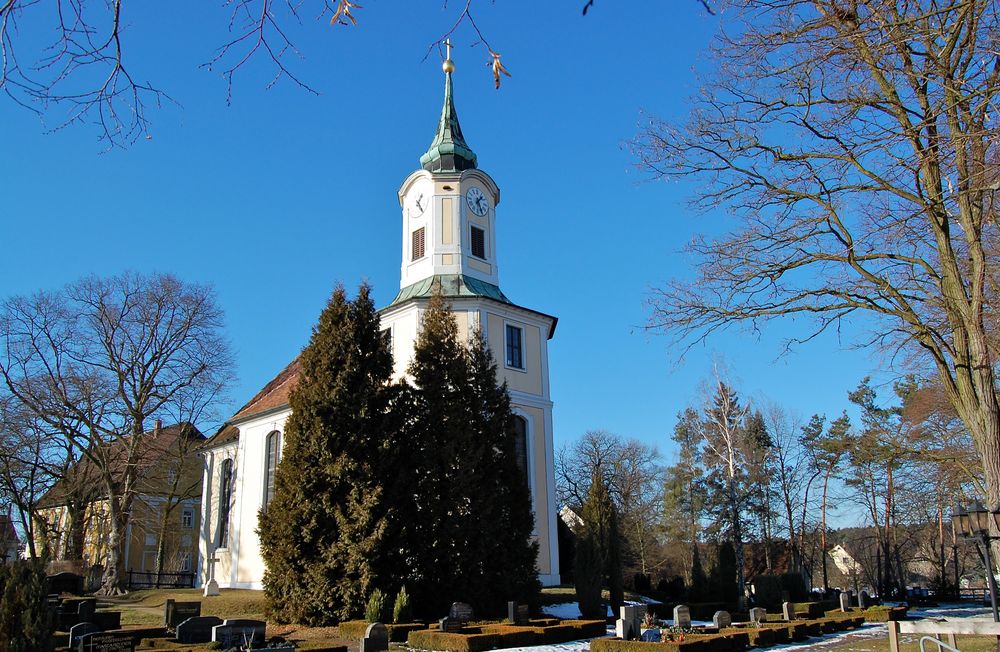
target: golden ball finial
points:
(448, 66)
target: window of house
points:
(521, 444)
(187, 519)
(185, 562)
(478, 242)
(515, 347)
(225, 500)
(418, 244)
(271, 459)
(150, 540)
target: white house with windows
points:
(448, 241)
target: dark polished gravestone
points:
(107, 620)
(460, 611)
(235, 633)
(82, 629)
(197, 629)
(376, 638)
(106, 642)
(65, 583)
(174, 612)
(517, 614)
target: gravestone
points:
(197, 629)
(376, 638)
(758, 615)
(682, 616)
(517, 614)
(623, 629)
(460, 611)
(66, 619)
(235, 633)
(722, 619)
(863, 599)
(633, 614)
(174, 612)
(845, 602)
(107, 620)
(107, 642)
(788, 611)
(65, 583)
(80, 629)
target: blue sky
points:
(279, 195)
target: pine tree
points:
(323, 534)
(25, 621)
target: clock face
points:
(477, 201)
(419, 204)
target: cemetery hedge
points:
(355, 629)
(884, 613)
(476, 638)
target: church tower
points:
(449, 218)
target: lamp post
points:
(974, 523)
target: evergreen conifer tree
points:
(500, 507)
(323, 534)
(600, 544)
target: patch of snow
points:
(566, 611)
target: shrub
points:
(795, 585)
(429, 639)
(25, 622)
(375, 609)
(401, 612)
(758, 637)
(882, 614)
(767, 591)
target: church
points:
(449, 223)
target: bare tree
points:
(101, 360)
(789, 468)
(856, 143)
(634, 476)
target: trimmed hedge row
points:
(734, 642)
(478, 638)
(355, 629)
(876, 614)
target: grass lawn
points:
(910, 643)
(146, 607)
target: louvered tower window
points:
(418, 244)
(478, 242)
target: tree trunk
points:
(113, 579)
(826, 484)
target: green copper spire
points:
(448, 151)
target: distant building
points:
(10, 543)
(167, 503)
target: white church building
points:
(449, 225)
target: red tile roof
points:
(274, 395)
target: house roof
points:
(8, 534)
(158, 444)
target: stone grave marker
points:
(107, 642)
(107, 620)
(517, 614)
(722, 619)
(863, 599)
(845, 602)
(65, 583)
(460, 611)
(758, 615)
(80, 629)
(174, 612)
(682, 616)
(376, 638)
(86, 608)
(788, 611)
(239, 632)
(197, 629)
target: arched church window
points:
(521, 444)
(225, 500)
(272, 453)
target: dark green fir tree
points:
(437, 442)
(601, 541)
(501, 520)
(323, 536)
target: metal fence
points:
(151, 580)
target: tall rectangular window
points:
(187, 519)
(225, 500)
(417, 248)
(478, 242)
(273, 450)
(515, 347)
